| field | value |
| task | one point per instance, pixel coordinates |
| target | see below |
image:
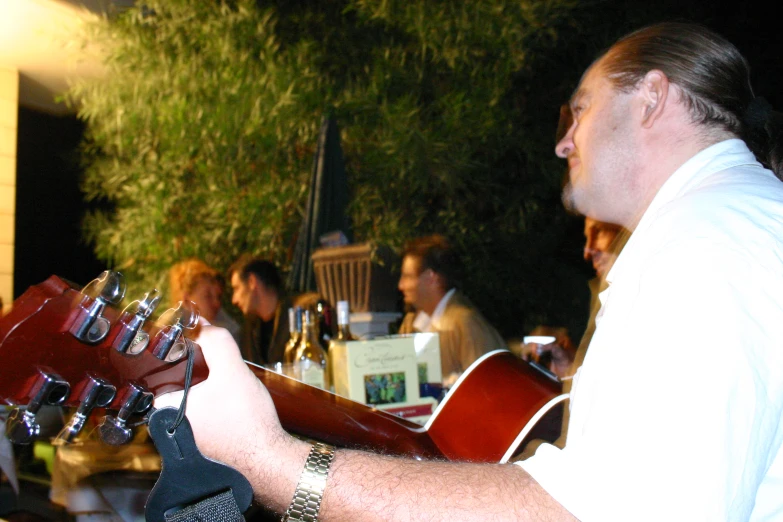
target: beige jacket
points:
(465, 335)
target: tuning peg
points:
(169, 343)
(49, 389)
(130, 338)
(113, 430)
(109, 288)
(97, 393)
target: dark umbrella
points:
(326, 205)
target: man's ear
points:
(437, 280)
(654, 90)
(252, 282)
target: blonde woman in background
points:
(195, 281)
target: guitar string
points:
(188, 378)
(186, 389)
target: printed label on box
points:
(378, 371)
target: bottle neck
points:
(343, 322)
(310, 330)
(344, 332)
(294, 322)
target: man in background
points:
(258, 291)
(428, 282)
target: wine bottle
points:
(324, 321)
(295, 332)
(311, 356)
(343, 335)
(344, 322)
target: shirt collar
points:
(424, 323)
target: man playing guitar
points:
(656, 146)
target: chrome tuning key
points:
(49, 389)
(130, 337)
(108, 289)
(169, 343)
(114, 430)
(97, 393)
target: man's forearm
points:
(245, 433)
(364, 486)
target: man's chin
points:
(569, 199)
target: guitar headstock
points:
(64, 347)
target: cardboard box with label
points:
(384, 372)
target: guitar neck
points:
(317, 414)
(42, 343)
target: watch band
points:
(310, 489)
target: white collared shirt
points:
(424, 323)
(677, 411)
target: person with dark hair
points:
(259, 293)
(677, 411)
(428, 282)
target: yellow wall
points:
(9, 103)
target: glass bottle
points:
(311, 356)
(344, 322)
(295, 332)
(324, 321)
(343, 335)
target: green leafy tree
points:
(201, 135)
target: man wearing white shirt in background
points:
(677, 411)
(428, 285)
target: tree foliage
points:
(202, 133)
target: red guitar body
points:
(483, 418)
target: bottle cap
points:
(343, 315)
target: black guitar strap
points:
(191, 487)
(220, 508)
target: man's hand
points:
(557, 356)
(234, 420)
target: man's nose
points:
(565, 145)
(588, 252)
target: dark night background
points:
(50, 206)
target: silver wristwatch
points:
(310, 489)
